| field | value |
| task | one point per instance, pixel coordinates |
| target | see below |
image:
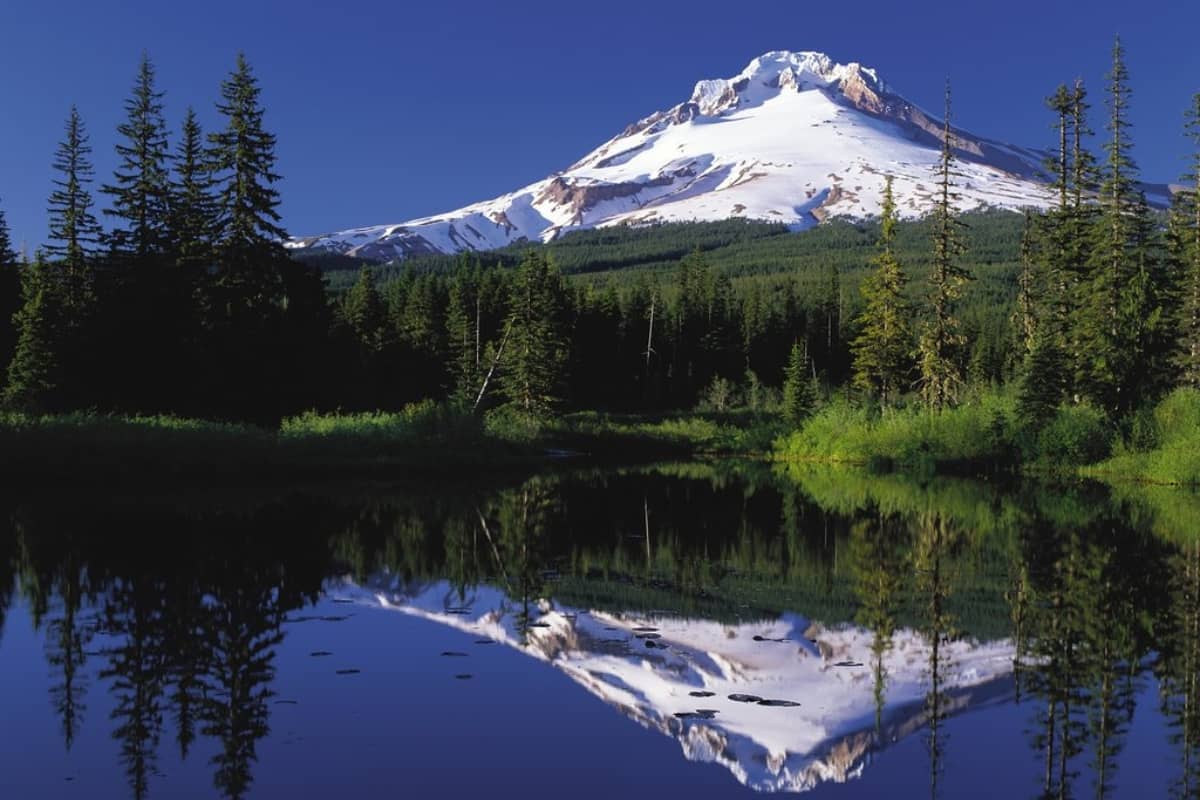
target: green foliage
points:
(192, 223)
(34, 373)
(74, 231)
(1074, 436)
(140, 188)
(882, 350)
(1175, 456)
(536, 348)
(799, 393)
(941, 339)
(910, 436)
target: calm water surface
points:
(689, 630)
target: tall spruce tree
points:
(74, 231)
(799, 394)
(192, 205)
(882, 349)
(941, 339)
(536, 348)
(249, 239)
(1119, 313)
(10, 295)
(1185, 247)
(140, 189)
(34, 374)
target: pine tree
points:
(883, 345)
(34, 373)
(365, 312)
(140, 190)
(799, 394)
(191, 201)
(1042, 380)
(10, 295)
(462, 335)
(1120, 309)
(74, 232)
(1029, 289)
(1186, 257)
(248, 237)
(536, 349)
(941, 339)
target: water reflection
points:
(792, 626)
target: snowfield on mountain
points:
(793, 138)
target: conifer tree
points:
(883, 346)
(140, 192)
(34, 372)
(1119, 312)
(1186, 257)
(941, 339)
(462, 334)
(1042, 380)
(364, 311)
(799, 395)
(192, 206)
(10, 296)
(74, 231)
(248, 237)
(1029, 290)
(532, 366)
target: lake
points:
(699, 630)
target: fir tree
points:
(365, 312)
(799, 395)
(1041, 383)
(191, 200)
(1119, 311)
(882, 348)
(140, 192)
(34, 372)
(74, 232)
(463, 335)
(532, 366)
(10, 295)
(248, 237)
(941, 378)
(1185, 247)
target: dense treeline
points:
(190, 304)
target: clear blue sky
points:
(391, 110)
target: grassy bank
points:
(985, 434)
(423, 437)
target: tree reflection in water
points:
(180, 613)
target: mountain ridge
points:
(795, 138)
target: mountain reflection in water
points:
(795, 627)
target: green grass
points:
(425, 436)
(977, 431)
(1165, 449)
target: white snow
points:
(828, 737)
(764, 145)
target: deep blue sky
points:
(398, 109)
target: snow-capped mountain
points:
(794, 138)
(784, 704)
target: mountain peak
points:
(780, 71)
(796, 137)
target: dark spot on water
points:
(767, 639)
(462, 610)
(342, 618)
(745, 698)
(287, 702)
(848, 664)
(464, 676)
(649, 636)
(651, 644)
(539, 625)
(348, 671)
(644, 629)
(485, 641)
(454, 654)
(778, 703)
(701, 713)
(342, 600)
(611, 628)
(320, 653)
(702, 694)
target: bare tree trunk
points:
(492, 370)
